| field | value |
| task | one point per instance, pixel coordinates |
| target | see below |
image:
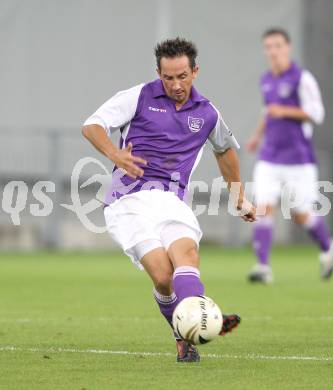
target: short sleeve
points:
(117, 111)
(221, 138)
(310, 97)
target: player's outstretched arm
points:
(228, 163)
(122, 158)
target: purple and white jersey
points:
(289, 141)
(170, 140)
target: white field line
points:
(11, 348)
(139, 319)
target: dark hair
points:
(277, 31)
(177, 47)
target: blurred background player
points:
(164, 125)
(286, 157)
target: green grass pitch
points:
(63, 317)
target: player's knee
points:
(296, 220)
(191, 256)
(300, 219)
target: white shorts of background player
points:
(296, 184)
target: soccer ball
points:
(197, 319)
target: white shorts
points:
(298, 182)
(145, 220)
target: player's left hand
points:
(276, 110)
(247, 211)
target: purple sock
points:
(187, 283)
(262, 240)
(167, 304)
(318, 231)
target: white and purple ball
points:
(197, 320)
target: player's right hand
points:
(246, 210)
(124, 159)
(252, 144)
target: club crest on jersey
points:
(284, 90)
(195, 124)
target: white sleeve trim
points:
(310, 97)
(117, 111)
(221, 138)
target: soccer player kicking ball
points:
(164, 125)
(286, 157)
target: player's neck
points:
(179, 105)
(278, 69)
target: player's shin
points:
(187, 283)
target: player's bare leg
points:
(160, 269)
(262, 244)
(318, 231)
(184, 256)
(186, 280)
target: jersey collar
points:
(292, 67)
(158, 91)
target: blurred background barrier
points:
(61, 60)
